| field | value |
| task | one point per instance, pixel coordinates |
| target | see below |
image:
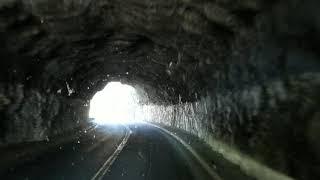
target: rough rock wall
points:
(29, 115)
(274, 124)
(265, 103)
(253, 62)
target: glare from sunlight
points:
(116, 103)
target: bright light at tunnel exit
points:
(116, 103)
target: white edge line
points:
(203, 163)
(104, 168)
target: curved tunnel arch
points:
(245, 72)
(68, 47)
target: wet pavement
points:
(78, 159)
(152, 154)
(149, 154)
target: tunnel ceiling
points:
(163, 47)
(168, 49)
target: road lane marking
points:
(105, 167)
(202, 162)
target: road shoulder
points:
(212, 159)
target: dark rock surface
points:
(251, 65)
(28, 115)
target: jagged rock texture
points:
(254, 62)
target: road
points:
(149, 154)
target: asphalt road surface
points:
(149, 154)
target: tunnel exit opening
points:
(116, 104)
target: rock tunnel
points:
(245, 72)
